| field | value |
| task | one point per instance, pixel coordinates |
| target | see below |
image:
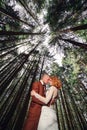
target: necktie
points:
(44, 90)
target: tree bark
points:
(82, 45)
(80, 27)
(19, 33)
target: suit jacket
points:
(35, 108)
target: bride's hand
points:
(33, 93)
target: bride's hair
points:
(56, 82)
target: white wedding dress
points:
(48, 118)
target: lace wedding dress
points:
(48, 118)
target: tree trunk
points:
(19, 33)
(28, 10)
(2, 10)
(82, 45)
(80, 27)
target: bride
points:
(48, 118)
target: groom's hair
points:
(44, 73)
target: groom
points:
(36, 105)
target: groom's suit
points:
(35, 107)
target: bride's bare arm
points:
(44, 99)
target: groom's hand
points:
(54, 100)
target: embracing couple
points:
(42, 114)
